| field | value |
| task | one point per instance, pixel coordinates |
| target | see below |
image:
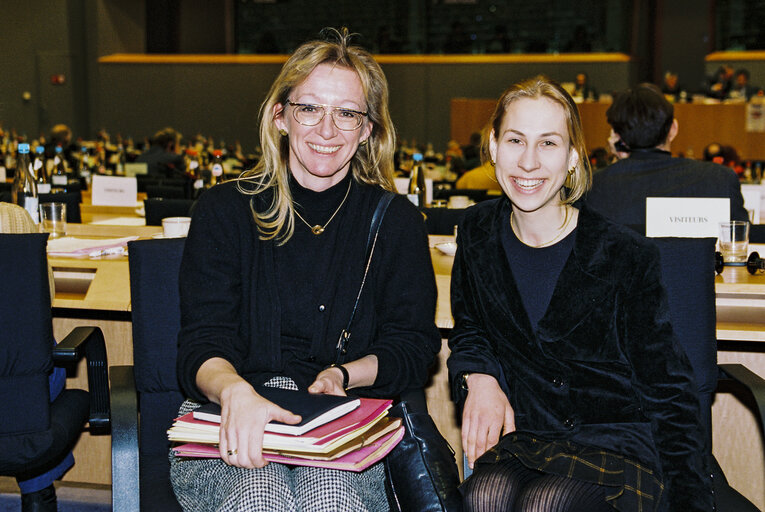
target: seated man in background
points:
(742, 89)
(162, 157)
(480, 178)
(642, 129)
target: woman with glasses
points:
(574, 393)
(272, 267)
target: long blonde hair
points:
(372, 163)
(543, 87)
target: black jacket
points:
(619, 190)
(602, 369)
(230, 304)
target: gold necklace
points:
(545, 244)
(319, 229)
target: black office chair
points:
(166, 191)
(687, 267)
(72, 201)
(474, 194)
(441, 221)
(157, 208)
(140, 421)
(35, 433)
(757, 233)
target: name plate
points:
(114, 191)
(685, 217)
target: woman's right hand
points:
(486, 414)
(244, 415)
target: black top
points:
(535, 269)
(279, 310)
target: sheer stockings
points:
(510, 486)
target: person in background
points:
(163, 158)
(481, 177)
(670, 87)
(642, 130)
(472, 151)
(573, 391)
(272, 267)
(741, 88)
(721, 82)
(61, 135)
(583, 90)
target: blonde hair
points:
(372, 163)
(543, 87)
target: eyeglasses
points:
(310, 115)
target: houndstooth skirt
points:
(211, 485)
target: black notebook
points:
(315, 410)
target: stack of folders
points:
(336, 432)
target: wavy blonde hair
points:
(372, 163)
(543, 87)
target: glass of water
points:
(734, 241)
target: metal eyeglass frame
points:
(332, 109)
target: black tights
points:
(510, 486)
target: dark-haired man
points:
(642, 129)
(162, 157)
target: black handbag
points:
(421, 472)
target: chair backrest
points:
(688, 272)
(72, 201)
(441, 221)
(26, 340)
(170, 192)
(157, 208)
(155, 303)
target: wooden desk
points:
(699, 125)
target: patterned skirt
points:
(631, 487)
(211, 485)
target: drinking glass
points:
(53, 219)
(734, 241)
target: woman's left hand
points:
(328, 382)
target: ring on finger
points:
(231, 452)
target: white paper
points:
(686, 217)
(114, 191)
(70, 246)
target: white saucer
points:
(448, 248)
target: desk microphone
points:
(755, 264)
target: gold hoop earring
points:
(570, 178)
(283, 132)
(363, 142)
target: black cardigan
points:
(602, 368)
(230, 304)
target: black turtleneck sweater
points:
(274, 309)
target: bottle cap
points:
(217, 152)
(39, 149)
(59, 149)
(23, 147)
(417, 157)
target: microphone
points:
(755, 264)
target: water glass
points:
(53, 219)
(734, 241)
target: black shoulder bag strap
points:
(374, 230)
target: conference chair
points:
(35, 433)
(441, 221)
(757, 234)
(72, 201)
(166, 191)
(157, 208)
(146, 396)
(687, 268)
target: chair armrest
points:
(125, 459)
(89, 342)
(744, 377)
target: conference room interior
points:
(130, 68)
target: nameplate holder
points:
(114, 191)
(685, 217)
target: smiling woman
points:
(572, 388)
(272, 266)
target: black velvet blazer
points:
(602, 368)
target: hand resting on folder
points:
(245, 413)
